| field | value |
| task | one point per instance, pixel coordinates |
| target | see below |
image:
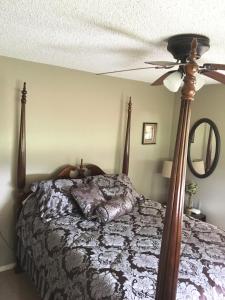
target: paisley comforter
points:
(69, 257)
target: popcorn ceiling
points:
(106, 35)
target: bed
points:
(70, 257)
(140, 255)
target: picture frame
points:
(149, 133)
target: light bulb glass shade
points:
(173, 81)
(167, 168)
(200, 81)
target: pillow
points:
(53, 199)
(114, 208)
(88, 197)
(114, 186)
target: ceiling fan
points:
(179, 46)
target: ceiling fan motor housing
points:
(180, 45)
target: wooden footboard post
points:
(126, 154)
(172, 232)
(21, 167)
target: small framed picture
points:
(149, 133)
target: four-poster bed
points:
(70, 257)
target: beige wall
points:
(73, 115)
(209, 103)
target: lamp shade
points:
(199, 81)
(173, 81)
(167, 168)
(199, 166)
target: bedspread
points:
(72, 258)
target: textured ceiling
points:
(106, 35)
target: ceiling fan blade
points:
(159, 81)
(126, 70)
(165, 64)
(214, 67)
(215, 75)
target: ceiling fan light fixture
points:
(199, 81)
(173, 81)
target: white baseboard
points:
(7, 267)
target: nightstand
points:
(200, 217)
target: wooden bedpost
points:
(172, 232)
(21, 167)
(126, 154)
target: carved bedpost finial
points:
(81, 169)
(191, 69)
(193, 53)
(129, 105)
(24, 93)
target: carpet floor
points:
(17, 287)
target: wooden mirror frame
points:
(217, 151)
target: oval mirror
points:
(203, 148)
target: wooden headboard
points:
(66, 171)
(81, 171)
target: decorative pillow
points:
(114, 208)
(115, 186)
(53, 198)
(88, 197)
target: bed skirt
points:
(27, 264)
